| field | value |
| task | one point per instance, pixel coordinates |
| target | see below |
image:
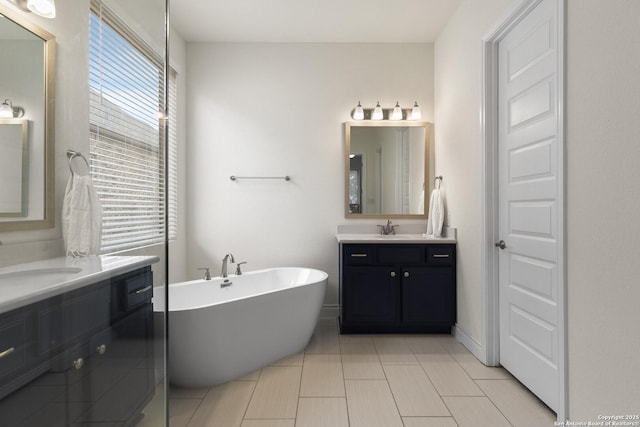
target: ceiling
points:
(311, 21)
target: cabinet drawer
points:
(11, 347)
(358, 255)
(396, 254)
(139, 289)
(440, 255)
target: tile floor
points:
(368, 381)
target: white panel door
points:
(529, 200)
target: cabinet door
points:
(428, 295)
(123, 377)
(370, 295)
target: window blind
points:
(172, 191)
(127, 143)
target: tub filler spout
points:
(227, 257)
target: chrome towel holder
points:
(236, 178)
(437, 180)
(72, 154)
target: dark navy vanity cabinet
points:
(84, 357)
(387, 288)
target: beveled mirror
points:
(27, 70)
(386, 169)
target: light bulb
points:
(44, 8)
(377, 112)
(416, 113)
(358, 113)
(6, 110)
(396, 114)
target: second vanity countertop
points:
(24, 284)
(405, 233)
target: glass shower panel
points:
(80, 343)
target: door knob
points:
(406, 274)
(501, 244)
(393, 274)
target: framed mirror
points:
(386, 169)
(27, 132)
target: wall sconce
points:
(8, 111)
(377, 112)
(416, 112)
(44, 8)
(396, 114)
(358, 113)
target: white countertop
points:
(405, 233)
(24, 284)
(391, 239)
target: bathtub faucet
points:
(227, 257)
(238, 269)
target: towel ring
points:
(71, 154)
(437, 180)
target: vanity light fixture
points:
(396, 114)
(416, 112)
(377, 112)
(44, 8)
(358, 113)
(8, 111)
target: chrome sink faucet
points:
(207, 274)
(227, 257)
(238, 269)
(387, 229)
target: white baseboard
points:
(472, 345)
(329, 311)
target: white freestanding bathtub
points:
(219, 333)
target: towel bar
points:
(235, 178)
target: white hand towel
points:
(436, 214)
(81, 217)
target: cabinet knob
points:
(406, 274)
(101, 349)
(78, 363)
(393, 274)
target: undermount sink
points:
(49, 272)
(396, 236)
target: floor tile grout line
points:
(193, 413)
(515, 381)
(450, 411)
(433, 385)
(393, 396)
(255, 385)
(299, 388)
(344, 381)
(495, 404)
